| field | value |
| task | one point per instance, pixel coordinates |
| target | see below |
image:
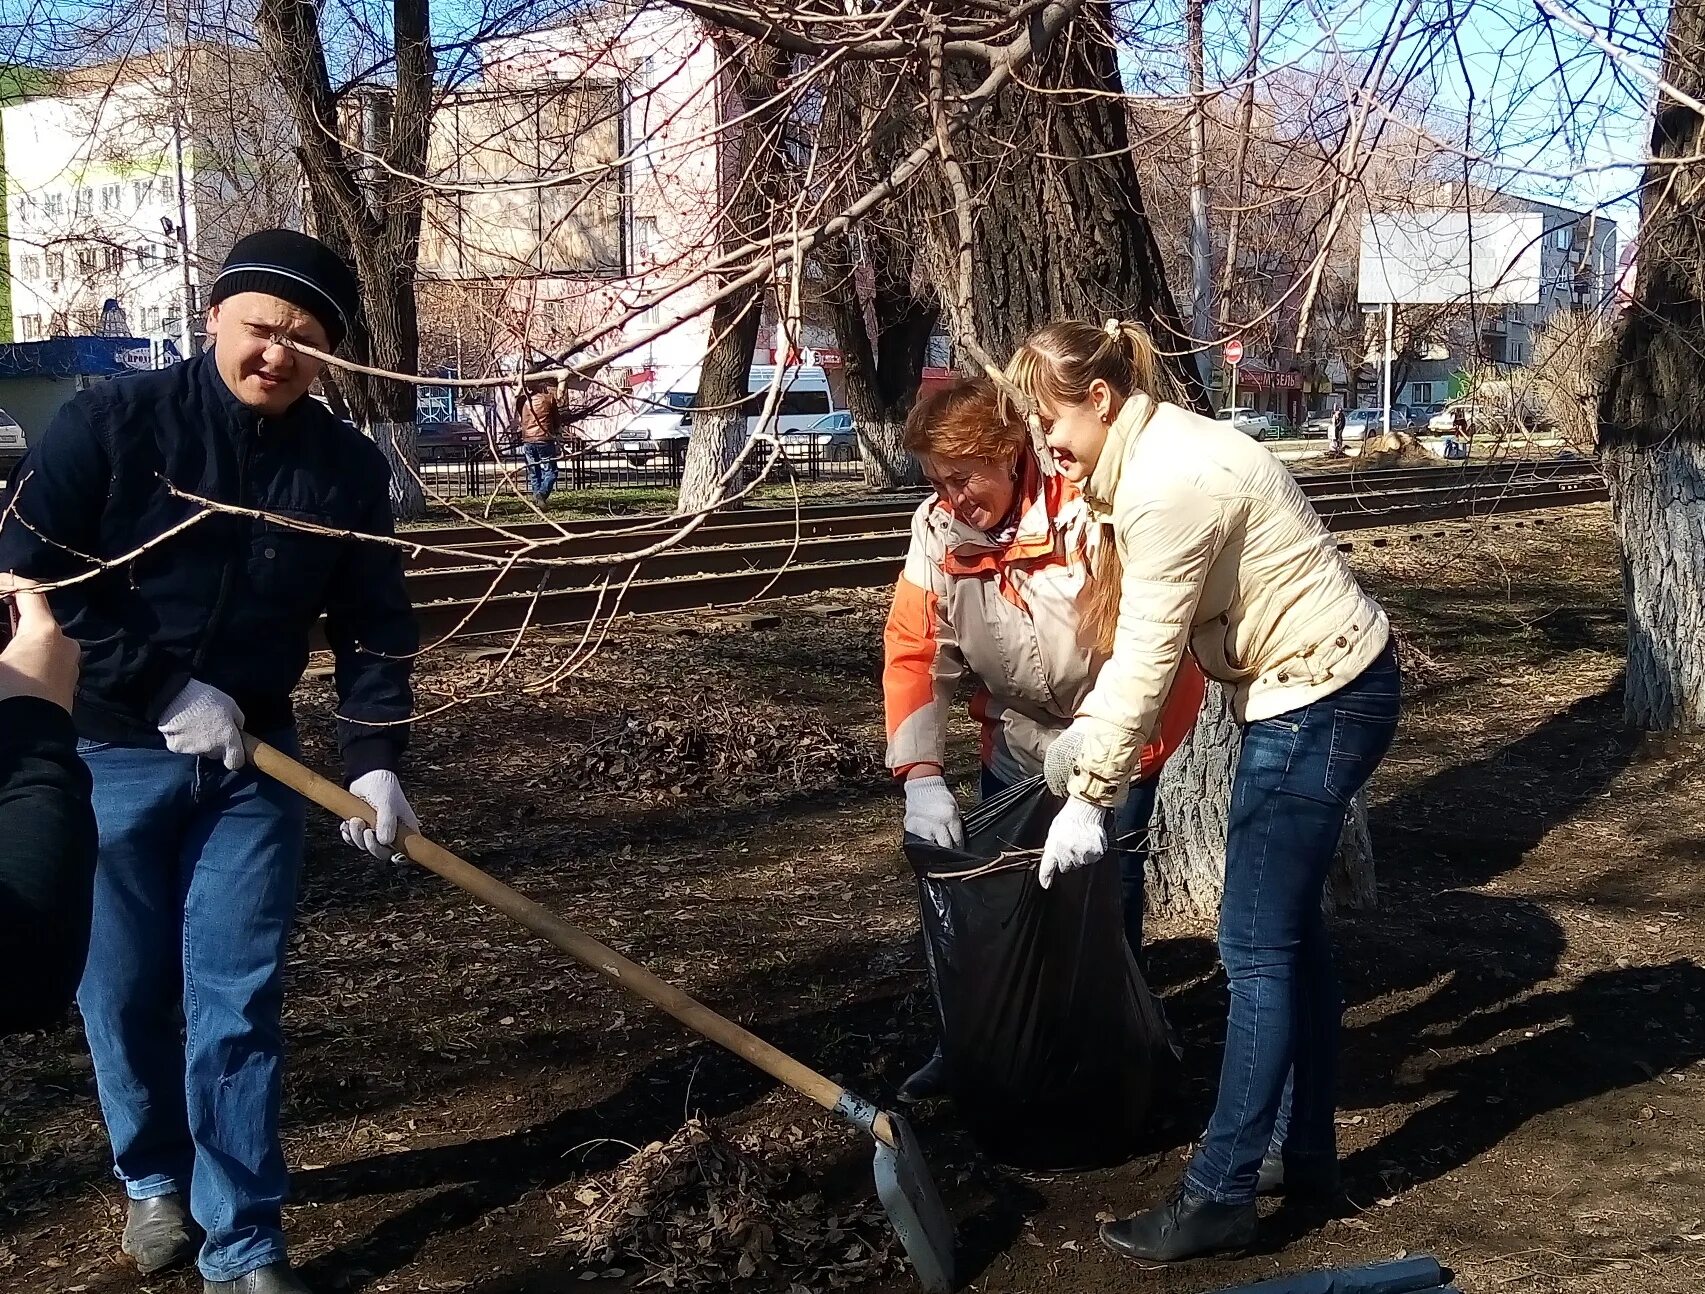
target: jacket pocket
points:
(291, 570)
(1359, 742)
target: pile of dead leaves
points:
(700, 1211)
(696, 746)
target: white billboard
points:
(1450, 257)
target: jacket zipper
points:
(238, 552)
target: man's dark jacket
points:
(231, 600)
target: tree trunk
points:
(1066, 236)
(882, 373)
(1652, 413)
(371, 216)
(719, 420)
(751, 159)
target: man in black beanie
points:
(200, 634)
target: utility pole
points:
(1201, 268)
(174, 88)
(1240, 167)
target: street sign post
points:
(1234, 357)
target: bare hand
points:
(40, 660)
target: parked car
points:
(1250, 422)
(447, 435)
(1480, 418)
(833, 436)
(12, 444)
(663, 428)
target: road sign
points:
(1234, 351)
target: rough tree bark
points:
(1652, 412)
(883, 370)
(1065, 235)
(752, 158)
(373, 219)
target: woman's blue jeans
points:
(1295, 779)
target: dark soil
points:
(1524, 1070)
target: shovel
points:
(903, 1182)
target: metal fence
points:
(465, 471)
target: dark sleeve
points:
(47, 866)
(52, 516)
(370, 627)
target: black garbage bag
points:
(1052, 1040)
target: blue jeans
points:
(194, 894)
(541, 468)
(1130, 835)
(1295, 779)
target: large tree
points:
(751, 162)
(1045, 222)
(370, 213)
(1652, 413)
(884, 327)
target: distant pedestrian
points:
(538, 414)
(1337, 447)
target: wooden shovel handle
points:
(572, 940)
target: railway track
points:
(762, 553)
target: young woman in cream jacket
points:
(1221, 557)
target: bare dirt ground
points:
(1524, 1069)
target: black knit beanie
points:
(295, 268)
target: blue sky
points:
(1556, 117)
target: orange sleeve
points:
(921, 664)
(1177, 718)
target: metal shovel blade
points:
(908, 1194)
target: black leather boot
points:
(1185, 1226)
(928, 1082)
(159, 1234)
(275, 1278)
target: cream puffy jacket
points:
(1224, 558)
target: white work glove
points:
(202, 720)
(384, 795)
(932, 814)
(1077, 838)
(1060, 762)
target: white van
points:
(665, 422)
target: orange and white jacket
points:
(1010, 615)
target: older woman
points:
(1218, 555)
(994, 584)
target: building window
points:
(30, 268)
(1563, 236)
(88, 322)
(56, 265)
(53, 205)
(85, 260)
(110, 197)
(115, 259)
(144, 192)
(150, 318)
(85, 201)
(1422, 393)
(30, 325)
(57, 326)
